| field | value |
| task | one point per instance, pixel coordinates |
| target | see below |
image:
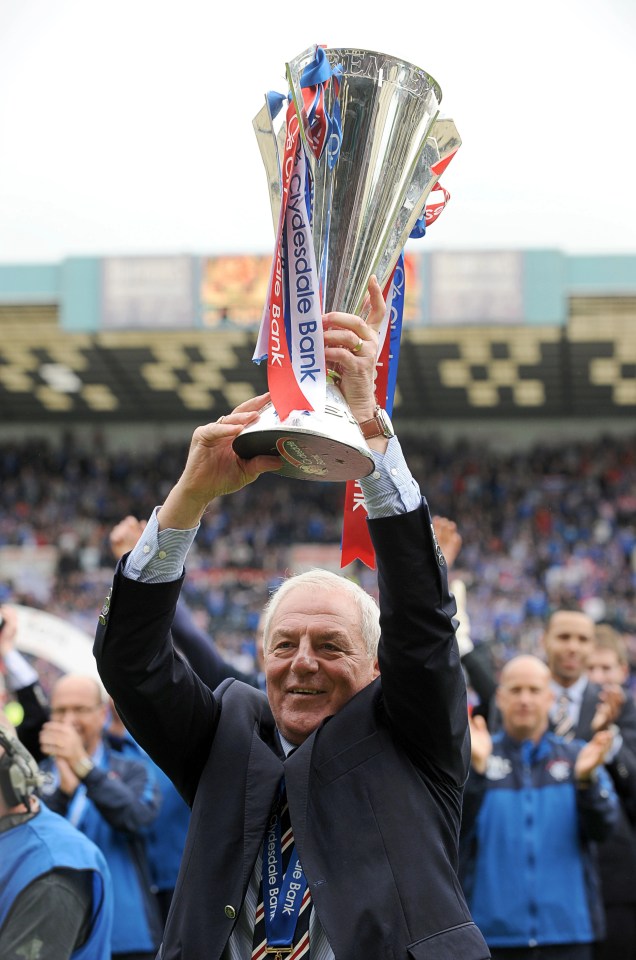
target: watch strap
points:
(377, 426)
(82, 768)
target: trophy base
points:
(325, 447)
(306, 455)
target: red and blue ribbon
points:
(356, 541)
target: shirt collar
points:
(575, 692)
(11, 820)
(286, 745)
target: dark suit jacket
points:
(374, 793)
(617, 855)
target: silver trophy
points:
(364, 209)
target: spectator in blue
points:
(534, 806)
(110, 798)
(165, 838)
(56, 897)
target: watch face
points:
(387, 426)
(379, 426)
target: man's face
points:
(568, 640)
(524, 698)
(75, 701)
(316, 659)
(603, 666)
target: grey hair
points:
(369, 614)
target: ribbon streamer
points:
(356, 541)
(313, 81)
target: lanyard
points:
(282, 894)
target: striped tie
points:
(300, 948)
(563, 722)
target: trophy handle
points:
(268, 145)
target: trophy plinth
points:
(311, 446)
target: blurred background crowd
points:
(543, 527)
(534, 533)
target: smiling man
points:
(316, 654)
(568, 640)
(361, 739)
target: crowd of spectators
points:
(543, 527)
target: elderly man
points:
(364, 747)
(534, 806)
(111, 798)
(56, 900)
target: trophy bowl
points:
(364, 203)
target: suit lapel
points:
(588, 709)
(264, 772)
(297, 770)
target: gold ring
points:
(221, 419)
(358, 347)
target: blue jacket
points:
(46, 843)
(113, 805)
(528, 835)
(165, 838)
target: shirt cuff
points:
(391, 488)
(159, 555)
(20, 673)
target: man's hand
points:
(58, 739)
(351, 347)
(448, 537)
(62, 742)
(69, 781)
(609, 707)
(125, 535)
(213, 468)
(480, 743)
(592, 755)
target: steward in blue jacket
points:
(534, 806)
(166, 836)
(56, 898)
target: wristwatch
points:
(82, 768)
(378, 426)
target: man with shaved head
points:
(534, 806)
(110, 798)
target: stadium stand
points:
(521, 429)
